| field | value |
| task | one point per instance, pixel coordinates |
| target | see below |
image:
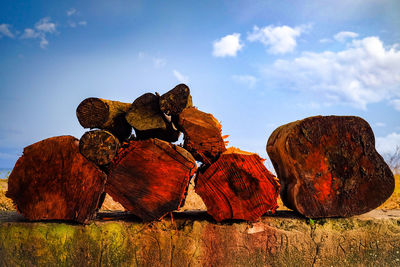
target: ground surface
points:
(194, 239)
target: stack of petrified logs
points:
(327, 166)
(64, 178)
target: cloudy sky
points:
(255, 65)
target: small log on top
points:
(149, 178)
(176, 100)
(145, 116)
(106, 115)
(53, 181)
(238, 186)
(99, 146)
(328, 166)
(202, 135)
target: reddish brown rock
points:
(202, 134)
(328, 166)
(149, 178)
(53, 181)
(238, 186)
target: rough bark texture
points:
(104, 114)
(99, 146)
(149, 178)
(238, 186)
(53, 181)
(328, 166)
(202, 135)
(176, 100)
(146, 118)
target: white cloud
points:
(325, 40)
(5, 31)
(228, 45)
(180, 77)
(43, 42)
(279, 40)
(45, 25)
(365, 72)
(395, 103)
(343, 36)
(72, 24)
(159, 62)
(388, 144)
(380, 124)
(42, 28)
(71, 12)
(247, 80)
(29, 33)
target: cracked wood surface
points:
(328, 166)
(52, 180)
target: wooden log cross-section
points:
(149, 178)
(99, 146)
(53, 181)
(328, 166)
(202, 134)
(145, 116)
(106, 115)
(238, 186)
(176, 100)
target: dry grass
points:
(394, 201)
(5, 203)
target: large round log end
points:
(92, 112)
(328, 166)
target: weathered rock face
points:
(328, 166)
(191, 240)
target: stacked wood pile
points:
(62, 178)
(327, 166)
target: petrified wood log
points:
(104, 114)
(175, 100)
(328, 166)
(202, 134)
(53, 181)
(149, 178)
(145, 116)
(99, 146)
(238, 186)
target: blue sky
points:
(255, 65)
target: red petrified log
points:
(149, 178)
(53, 181)
(238, 186)
(328, 166)
(202, 134)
